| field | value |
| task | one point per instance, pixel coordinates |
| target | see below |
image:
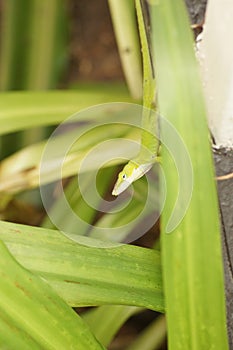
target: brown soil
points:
(93, 52)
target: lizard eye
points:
(124, 176)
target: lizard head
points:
(130, 173)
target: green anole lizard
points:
(149, 148)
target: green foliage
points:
(89, 272)
(29, 319)
(43, 272)
(191, 252)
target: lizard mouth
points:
(121, 187)
(138, 172)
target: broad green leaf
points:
(191, 252)
(38, 318)
(90, 272)
(25, 110)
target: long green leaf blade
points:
(125, 28)
(32, 306)
(14, 37)
(88, 273)
(192, 265)
(24, 110)
(45, 57)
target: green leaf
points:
(126, 33)
(24, 110)
(38, 318)
(23, 170)
(31, 55)
(32, 46)
(192, 263)
(14, 48)
(45, 55)
(89, 272)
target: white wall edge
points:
(216, 63)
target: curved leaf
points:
(37, 316)
(88, 273)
